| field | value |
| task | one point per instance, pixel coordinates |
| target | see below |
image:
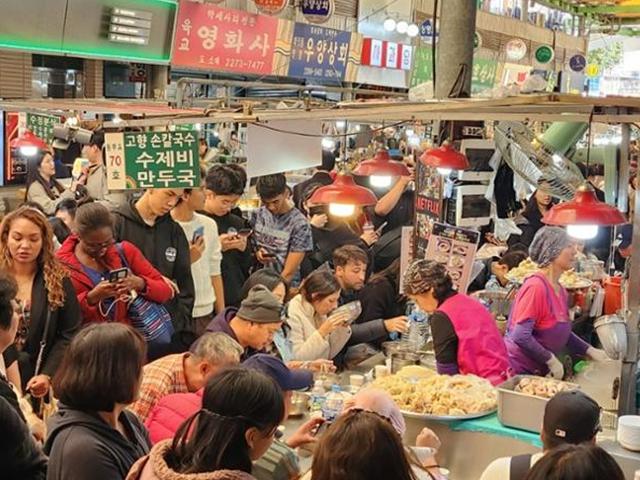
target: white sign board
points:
(270, 151)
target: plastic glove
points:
(556, 369)
(597, 355)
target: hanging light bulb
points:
(343, 196)
(380, 181)
(445, 159)
(582, 232)
(402, 26)
(583, 214)
(381, 169)
(340, 124)
(216, 133)
(413, 30)
(414, 141)
(389, 24)
(410, 132)
(198, 126)
(116, 119)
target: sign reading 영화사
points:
(42, 125)
(317, 11)
(214, 38)
(319, 53)
(152, 160)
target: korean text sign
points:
(319, 53)
(42, 125)
(152, 160)
(213, 38)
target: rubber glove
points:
(597, 355)
(556, 369)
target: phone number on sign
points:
(233, 63)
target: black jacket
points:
(165, 245)
(64, 324)
(20, 457)
(82, 446)
(320, 177)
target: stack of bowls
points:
(629, 432)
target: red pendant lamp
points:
(583, 214)
(343, 196)
(381, 169)
(445, 159)
(28, 144)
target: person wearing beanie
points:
(539, 326)
(254, 324)
(570, 418)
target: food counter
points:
(468, 446)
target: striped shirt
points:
(280, 462)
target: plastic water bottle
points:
(317, 397)
(493, 284)
(333, 404)
(418, 332)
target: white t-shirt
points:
(207, 266)
(500, 469)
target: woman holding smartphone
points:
(102, 271)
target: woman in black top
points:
(49, 311)
(530, 220)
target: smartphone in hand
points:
(119, 274)
(198, 233)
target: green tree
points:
(606, 57)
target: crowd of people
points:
(162, 336)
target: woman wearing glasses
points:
(93, 260)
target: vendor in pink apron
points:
(539, 326)
(466, 339)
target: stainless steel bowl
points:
(403, 359)
(299, 404)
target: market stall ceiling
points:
(549, 107)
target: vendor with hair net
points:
(466, 338)
(539, 326)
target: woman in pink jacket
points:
(466, 338)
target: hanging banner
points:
(384, 54)
(422, 66)
(270, 7)
(42, 125)
(152, 160)
(317, 11)
(321, 53)
(212, 38)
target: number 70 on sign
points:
(116, 171)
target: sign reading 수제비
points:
(152, 160)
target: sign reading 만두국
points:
(214, 38)
(319, 53)
(42, 125)
(317, 11)
(152, 160)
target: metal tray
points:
(519, 410)
(447, 418)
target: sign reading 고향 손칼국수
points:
(152, 160)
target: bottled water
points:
(317, 397)
(493, 284)
(418, 332)
(333, 404)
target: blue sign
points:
(426, 30)
(317, 11)
(319, 53)
(578, 63)
(594, 86)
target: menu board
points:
(455, 248)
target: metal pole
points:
(625, 164)
(627, 401)
(455, 48)
(157, 81)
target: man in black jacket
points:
(321, 176)
(147, 224)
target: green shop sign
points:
(42, 125)
(152, 160)
(483, 74)
(544, 54)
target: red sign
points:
(270, 7)
(384, 54)
(213, 38)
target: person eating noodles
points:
(539, 327)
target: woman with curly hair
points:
(466, 338)
(49, 311)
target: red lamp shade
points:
(446, 158)
(382, 164)
(343, 190)
(28, 140)
(584, 209)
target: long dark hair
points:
(576, 462)
(318, 285)
(234, 401)
(391, 273)
(33, 175)
(361, 445)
